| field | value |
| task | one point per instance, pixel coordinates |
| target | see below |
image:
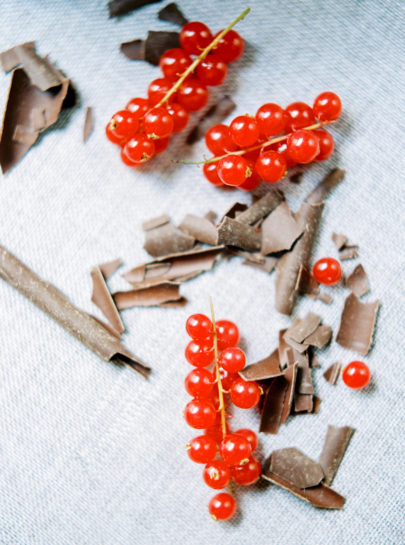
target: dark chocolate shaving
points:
(306, 283)
(357, 324)
(290, 375)
(167, 239)
(279, 230)
(273, 405)
(294, 466)
(348, 252)
(336, 442)
(214, 116)
(134, 50)
(357, 281)
(332, 373)
(235, 210)
(122, 7)
(88, 123)
(233, 233)
(101, 297)
(172, 13)
(261, 208)
(12, 58)
(263, 369)
(200, 229)
(157, 42)
(152, 296)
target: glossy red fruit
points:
(179, 115)
(200, 413)
(230, 47)
(232, 359)
(123, 125)
(271, 166)
(199, 383)
(158, 123)
(194, 37)
(127, 160)
(252, 182)
(192, 95)
(245, 394)
(301, 115)
(271, 119)
(235, 449)
(215, 432)
(248, 473)
(356, 375)
(234, 170)
(157, 90)
(174, 62)
(211, 173)
(200, 353)
(161, 144)
(113, 136)
(222, 506)
(140, 148)
(326, 144)
(199, 326)
(217, 474)
(281, 148)
(303, 146)
(228, 334)
(250, 436)
(202, 449)
(227, 378)
(327, 271)
(327, 106)
(212, 70)
(138, 107)
(244, 131)
(219, 141)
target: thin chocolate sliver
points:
(339, 240)
(320, 337)
(348, 252)
(214, 116)
(134, 50)
(306, 283)
(77, 322)
(200, 229)
(279, 230)
(122, 7)
(101, 297)
(290, 376)
(325, 297)
(88, 123)
(273, 405)
(263, 369)
(109, 268)
(332, 373)
(172, 13)
(336, 442)
(147, 297)
(293, 465)
(233, 233)
(12, 58)
(158, 42)
(167, 239)
(357, 281)
(261, 208)
(357, 324)
(155, 222)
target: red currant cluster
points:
(217, 343)
(249, 150)
(144, 128)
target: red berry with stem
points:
(301, 115)
(123, 124)
(140, 148)
(179, 115)
(235, 449)
(230, 46)
(327, 271)
(113, 136)
(200, 413)
(194, 37)
(252, 182)
(126, 160)
(245, 394)
(271, 119)
(217, 474)
(138, 107)
(222, 506)
(271, 166)
(200, 353)
(215, 432)
(212, 70)
(244, 131)
(157, 90)
(199, 326)
(211, 173)
(250, 436)
(327, 106)
(173, 63)
(303, 146)
(219, 141)
(232, 359)
(227, 378)
(158, 123)
(326, 144)
(248, 473)
(161, 144)
(356, 375)
(202, 449)
(199, 383)
(227, 333)
(233, 170)
(192, 95)
(281, 148)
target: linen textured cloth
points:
(91, 454)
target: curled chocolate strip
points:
(155, 295)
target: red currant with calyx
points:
(301, 115)
(179, 115)
(327, 106)
(271, 119)
(235, 449)
(212, 70)
(140, 148)
(244, 131)
(250, 436)
(200, 353)
(202, 449)
(157, 89)
(138, 107)
(217, 474)
(356, 375)
(113, 136)
(199, 383)
(123, 124)
(200, 413)
(327, 271)
(232, 359)
(219, 141)
(158, 123)
(227, 378)
(198, 326)
(247, 473)
(192, 95)
(252, 182)
(211, 173)
(222, 506)
(234, 170)
(326, 144)
(194, 37)
(303, 146)
(227, 333)
(174, 62)
(127, 160)
(271, 166)
(230, 46)
(245, 394)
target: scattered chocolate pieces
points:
(122, 7)
(233, 233)
(266, 368)
(172, 13)
(261, 208)
(357, 324)
(201, 229)
(215, 115)
(268, 264)
(152, 296)
(151, 49)
(101, 297)
(320, 337)
(332, 373)
(357, 281)
(336, 442)
(279, 230)
(346, 251)
(88, 123)
(163, 238)
(301, 329)
(291, 464)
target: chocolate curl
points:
(53, 302)
(122, 7)
(308, 218)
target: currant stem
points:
(200, 58)
(219, 382)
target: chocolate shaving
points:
(263, 369)
(54, 303)
(325, 297)
(306, 283)
(11, 58)
(172, 13)
(175, 304)
(357, 324)
(267, 266)
(88, 123)
(200, 229)
(151, 49)
(261, 208)
(348, 252)
(339, 240)
(214, 116)
(273, 405)
(320, 337)
(101, 297)
(211, 216)
(134, 50)
(235, 210)
(283, 349)
(294, 466)
(316, 404)
(166, 239)
(332, 373)
(233, 233)
(109, 268)
(152, 296)
(336, 442)
(357, 281)
(290, 376)
(302, 328)
(155, 222)
(279, 230)
(303, 403)
(122, 7)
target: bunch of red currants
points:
(225, 454)
(144, 128)
(261, 160)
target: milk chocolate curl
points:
(336, 442)
(357, 324)
(80, 324)
(101, 297)
(155, 295)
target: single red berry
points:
(200, 413)
(234, 170)
(235, 449)
(232, 359)
(174, 62)
(199, 383)
(161, 144)
(271, 119)
(250, 436)
(327, 271)
(123, 124)
(192, 95)
(198, 326)
(127, 160)
(113, 136)
(157, 90)
(200, 353)
(179, 115)
(214, 397)
(356, 375)
(228, 334)
(244, 131)
(217, 474)
(212, 70)
(271, 166)
(327, 106)
(227, 378)
(252, 182)
(303, 146)
(230, 46)
(140, 148)
(245, 394)
(215, 432)
(281, 148)
(158, 123)
(211, 173)
(326, 144)
(138, 107)
(222, 506)
(247, 473)
(202, 449)
(194, 37)
(301, 115)
(219, 141)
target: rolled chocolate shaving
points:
(357, 281)
(293, 465)
(320, 337)
(122, 7)
(167, 239)
(339, 240)
(214, 116)
(109, 268)
(279, 230)
(302, 328)
(332, 373)
(263, 369)
(308, 218)
(101, 297)
(158, 42)
(175, 304)
(80, 324)
(110, 329)
(261, 208)
(335, 445)
(233, 233)
(357, 324)
(273, 405)
(172, 13)
(348, 252)
(200, 229)
(88, 123)
(148, 297)
(134, 50)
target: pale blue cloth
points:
(92, 454)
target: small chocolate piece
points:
(12, 58)
(88, 123)
(325, 297)
(262, 207)
(122, 7)
(357, 281)
(303, 403)
(214, 116)
(233, 233)
(301, 329)
(172, 13)
(283, 349)
(348, 252)
(152, 296)
(320, 337)
(306, 283)
(235, 210)
(155, 222)
(167, 239)
(201, 229)
(332, 373)
(339, 240)
(336, 442)
(268, 265)
(294, 466)
(158, 42)
(109, 268)
(266, 368)
(290, 376)
(273, 405)
(316, 404)
(211, 216)
(134, 50)
(279, 230)
(101, 297)
(357, 324)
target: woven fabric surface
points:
(91, 454)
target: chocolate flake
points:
(339, 240)
(166, 239)
(155, 222)
(267, 265)
(122, 7)
(279, 230)
(301, 329)
(306, 283)
(261, 208)
(172, 13)
(152, 296)
(109, 268)
(88, 123)
(357, 281)
(357, 324)
(273, 405)
(332, 373)
(235, 210)
(263, 369)
(348, 252)
(158, 42)
(293, 465)
(325, 297)
(233, 233)
(336, 442)
(320, 337)
(202, 229)
(214, 116)
(101, 297)
(290, 376)
(134, 50)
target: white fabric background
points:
(92, 454)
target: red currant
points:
(192, 95)
(138, 107)
(227, 378)
(230, 46)
(140, 148)
(235, 449)
(252, 182)
(281, 148)
(211, 173)
(247, 473)
(217, 474)
(301, 115)
(271, 166)
(179, 115)
(233, 170)
(123, 125)
(200, 413)
(326, 145)
(215, 431)
(232, 359)
(327, 106)
(222, 506)
(194, 37)
(303, 146)
(356, 375)
(198, 326)
(245, 394)
(228, 334)
(250, 436)
(126, 160)
(158, 123)
(113, 136)
(202, 449)
(271, 119)
(327, 271)
(212, 70)
(199, 383)
(161, 144)
(244, 131)
(218, 140)
(157, 90)
(200, 353)
(174, 62)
